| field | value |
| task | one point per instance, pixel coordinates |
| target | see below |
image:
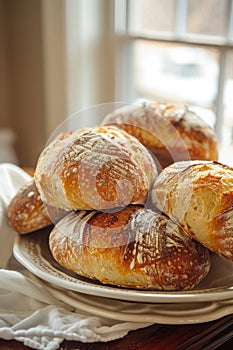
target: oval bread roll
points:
(27, 213)
(135, 247)
(198, 195)
(171, 132)
(98, 168)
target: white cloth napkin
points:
(28, 311)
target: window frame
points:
(125, 39)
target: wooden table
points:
(205, 336)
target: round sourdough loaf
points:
(27, 212)
(97, 168)
(198, 195)
(134, 247)
(171, 132)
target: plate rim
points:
(217, 310)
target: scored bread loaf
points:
(99, 168)
(134, 247)
(171, 132)
(198, 195)
(27, 213)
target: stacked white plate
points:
(211, 300)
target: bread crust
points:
(98, 168)
(171, 132)
(134, 247)
(27, 212)
(198, 195)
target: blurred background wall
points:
(38, 87)
(22, 106)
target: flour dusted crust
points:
(134, 247)
(97, 168)
(198, 195)
(171, 132)
(27, 213)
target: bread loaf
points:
(198, 195)
(27, 213)
(98, 168)
(171, 132)
(134, 247)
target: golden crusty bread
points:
(198, 195)
(27, 213)
(134, 247)
(99, 168)
(171, 132)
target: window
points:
(178, 51)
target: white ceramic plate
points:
(32, 251)
(164, 313)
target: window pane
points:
(228, 105)
(176, 73)
(227, 125)
(152, 16)
(207, 17)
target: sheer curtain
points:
(89, 53)
(78, 57)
